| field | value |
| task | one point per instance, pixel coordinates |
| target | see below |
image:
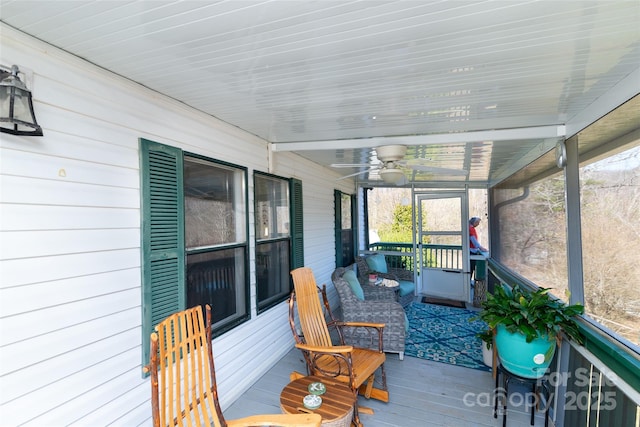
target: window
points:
(344, 228)
(610, 211)
(216, 239)
(194, 237)
(273, 239)
(531, 239)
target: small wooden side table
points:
(337, 402)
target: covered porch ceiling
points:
(483, 87)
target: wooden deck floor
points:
(422, 393)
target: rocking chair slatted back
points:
(183, 378)
(313, 324)
(351, 365)
(184, 385)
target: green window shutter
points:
(297, 238)
(163, 255)
(354, 225)
(337, 226)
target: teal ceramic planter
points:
(528, 360)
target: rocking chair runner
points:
(183, 379)
(352, 365)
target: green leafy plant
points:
(532, 313)
(487, 337)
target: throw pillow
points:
(350, 277)
(377, 263)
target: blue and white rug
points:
(445, 334)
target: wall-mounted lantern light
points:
(16, 107)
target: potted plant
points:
(487, 345)
(527, 325)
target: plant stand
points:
(538, 385)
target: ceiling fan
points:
(392, 165)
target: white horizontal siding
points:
(61, 342)
(27, 190)
(47, 320)
(37, 296)
(66, 364)
(70, 296)
(70, 398)
(30, 217)
(258, 344)
(47, 167)
(38, 243)
(23, 271)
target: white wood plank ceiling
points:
(482, 86)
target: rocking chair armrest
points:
(280, 420)
(364, 324)
(328, 350)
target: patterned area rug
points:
(445, 334)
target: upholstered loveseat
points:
(376, 264)
(374, 304)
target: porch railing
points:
(395, 260)
(434, 256)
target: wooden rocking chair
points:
(183, 379)
(352, 365)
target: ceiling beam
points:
(536, 132)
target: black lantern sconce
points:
(16, 107)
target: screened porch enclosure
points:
(266, 122)
(546, 227)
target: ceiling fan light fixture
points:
(392, 176)
(391, 153)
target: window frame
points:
(272, 300)
(338, 230)
(228, 325)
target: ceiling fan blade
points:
(433, 169)
(357, 173)
(351, 165)
(416, 162)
